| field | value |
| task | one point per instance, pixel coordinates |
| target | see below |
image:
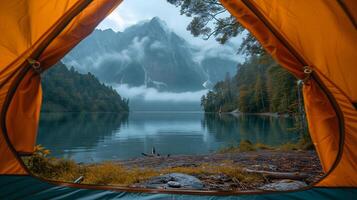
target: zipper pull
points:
(36, 65)
(307, 71)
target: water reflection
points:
(256, 128)
(67, 133)
(102, 136)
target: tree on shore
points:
(211, 19)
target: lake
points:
(95, 137)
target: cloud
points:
(152, 94)
(134, 52)
(227, 51)
(156, 45)
(137, 48)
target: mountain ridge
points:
(148, 53)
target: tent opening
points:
(228, 97)
(142, 103)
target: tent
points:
(315, 40)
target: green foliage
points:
(259, 86)
(282, 89)
(304, 143)
(210, 18)
(69, 91)
(244, 146)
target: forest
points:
(259, 86)
(66, 90)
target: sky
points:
(130, 12)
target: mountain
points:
(149, 54)
(218, 68)
(67, 90)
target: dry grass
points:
(115, 174)
(106, 173)
(263, 146)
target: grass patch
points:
(244, 146)
(263, 146)
(67, 170)
(304, 143)
(288, 147)
(109, 173)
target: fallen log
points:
(148, 155)
(153, 153)
(79, 179)
(279, 175)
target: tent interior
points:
(315, 41)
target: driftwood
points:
(279, 175)
(153, 153)
(148, 155)
(79, 179)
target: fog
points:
(152, 94)
(227, 51)
(93, 63)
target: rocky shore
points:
(280, 170)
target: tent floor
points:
(27, 187)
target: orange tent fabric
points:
(320, 34)
(40, 30)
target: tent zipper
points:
(26, 66)
(313, 75)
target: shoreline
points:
(264, 157)
(275, 161)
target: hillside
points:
(69, 91)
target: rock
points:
(174, 180)
(283, 185)
(174, 184)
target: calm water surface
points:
(95, 137)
